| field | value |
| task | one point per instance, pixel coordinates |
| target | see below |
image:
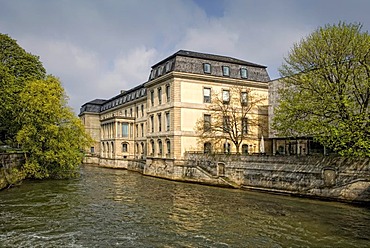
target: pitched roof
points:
(207, 56)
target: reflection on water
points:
(117, 208)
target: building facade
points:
(156, 120)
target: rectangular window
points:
(152, 98)
(226, 96)
(125, 112)
(160, 95)
(130, 112)
(124, 147)
(142, 110)
(92, 149)
(168, 93)
(124, 129)
(207, 68)
(245, 126)
(244, 98)
(226, 124)
(152, 123)
(243, 73)
(168, 125)
(206, 95)
(142, 129)
(137, 111)
(207, 123)
(137, 130)
(159, 123)
(226, 71)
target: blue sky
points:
(99, 47)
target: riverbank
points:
(9, 169)
(330, 178)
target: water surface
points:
(118, 208)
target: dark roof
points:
(96, 102)
(207, 56)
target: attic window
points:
(243, 73)
(168, 66)
(160, 71)
(226, 71)
(152, 74)
(207, 68)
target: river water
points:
(118, 208)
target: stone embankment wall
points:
(335, 178)
(339, 178)
(9, 163)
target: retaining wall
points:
(9, 164)
(335, 178)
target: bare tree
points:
(233, 114)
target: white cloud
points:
(128, 70)
(99, 47)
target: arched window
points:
(152, 146)
(207, 147)
(142, 148)
(168, 145)
(160, 147)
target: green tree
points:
(50, 132)
(16, 68)
(235, 115)
(325, 91)
(21, 64)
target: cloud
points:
(99, 47)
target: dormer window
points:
(226, 71)
(160, 70)
(243, 73)
(152, 74)
(168, 66)
(207, 68)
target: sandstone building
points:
(155, 121)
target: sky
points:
(99, 47)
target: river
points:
(118, 208)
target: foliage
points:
(235, 120)
(22, 65)
(53, 136)
(16, 68)
(325, 90)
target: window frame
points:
(244, 100)
(124, 129)
(207, 124)
(124, 147)
(226, 93)
(152, 123)
(168, 92)
(226, 71)
(160, 147)
(159, 118)
(168, 121)
(207, 68)
(244, 75)
(152, 97)
(159, 93)
(207, 99)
